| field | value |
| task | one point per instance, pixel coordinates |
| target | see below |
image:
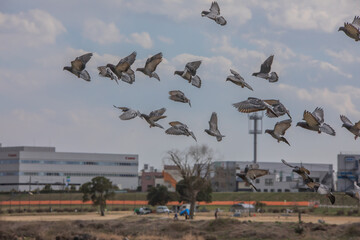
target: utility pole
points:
(255, 129)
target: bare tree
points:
(194, 166)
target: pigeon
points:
(355, 193)
(150, 66)
(179, 96)
(178, 128)
(123, 69)
(214, 14)
(265, 70)
(78, 67)
(106, 72)
(353, 128)
(277, 107)
(213, 128)
(238, 80)
(303, 172)
(251, 174)
(318, 187)
(315, 121)
(128, 113)
(322, 189)
(279, 131)
(154, 116)
(189, 73)
(254, 105)
(352, 30)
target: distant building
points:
(348, 171)
(148, 178)
(280, 177)
(27, 168)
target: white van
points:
(162, 209)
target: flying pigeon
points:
(154, 116)
(106, 72)
(128, 113)
(178, 128)
(279, 130)
(150, 66)
(238, 80)
(189, 73)
(277, 107)
(303, 172)
(353, 128)
(355, 193)
(213, 128)
(253, 105)
(265, 71)
(315, 121)
(321, 189)
(251, 174)
(179, 96)
(78, 67)
(214, 14)
(123, 69)
(318, 187)
(352, 30)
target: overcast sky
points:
(43, 105)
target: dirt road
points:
(199, 216)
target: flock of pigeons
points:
(274, 108)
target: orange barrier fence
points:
(143, 202)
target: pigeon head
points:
(140, 69)
(178, 73)
(268, 131)
(301, 124)
(67, 68)
(255, 74)
(341, 29)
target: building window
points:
(269, 182)
(287, 190)
(265, 190)
(257, 180)
(148, 177)
(288, 178)
(271, 190)
(279, 190)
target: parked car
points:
(143, 210)
(163, 209)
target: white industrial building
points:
(25, 168)
(348, 171)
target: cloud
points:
(143, 39)
(101, 32)
(166, 40)
(235, 12)
(343, 56)
(343, 98)
(323, 15)
(33, 28)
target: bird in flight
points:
(78, 67)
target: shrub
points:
(10, 211)
(299, 229)
(340, 213)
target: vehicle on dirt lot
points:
(162, 209)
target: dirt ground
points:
(118, 225)
(199, 216)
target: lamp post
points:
(255, 129)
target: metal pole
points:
(255, 137)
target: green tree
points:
(194, 166)
(98, 191)
(158, 196)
